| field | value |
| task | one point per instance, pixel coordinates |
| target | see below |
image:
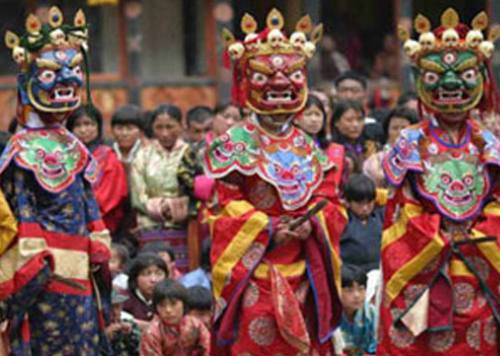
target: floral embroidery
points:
(464, 296)
(473, 335)
(251, 295)
(262, 330)
(441, 341)
(401, 337)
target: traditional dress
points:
(189, 338)
(273, 298)
(111, 190)
(269, 298)
(54, 277)
(153, 177)
(441, 243)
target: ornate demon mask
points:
(270, 68)
(450, 62)
(50, 57)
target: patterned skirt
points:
(258, 332)
(474, 330)
(175, 239)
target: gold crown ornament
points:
(450, 63)
(272, 40)
(450, 35)
(40, 37)
(53, 61)
(269, 75)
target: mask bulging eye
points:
(259, 78)
(77, 71)
(431, 78)
(297, 76)
(469, 75)
(46, 76)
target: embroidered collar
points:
(132, 153)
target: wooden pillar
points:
(211, 40)
(132, 12)
(403, 14)
(313, 8)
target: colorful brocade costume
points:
(441, 241)
(54, 278)
(273, 298)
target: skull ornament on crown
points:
(269, 74)
(50, 57)
(450, 62)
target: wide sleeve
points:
(111, 190)
(138, 187)
(8, 224)
(151, 341)
(235, 227)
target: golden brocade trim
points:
(71, 264)
(398, 229)
(67, 263)
(335, 258)
(8, 225)
(459, 269)
(102, 236)
(401, 277)
(296, 269)
(237, 208)
(20, 254)
(490, 250)
(235, 250)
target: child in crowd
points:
(117, 264)
(123, 332)
(172, 331)
(162, 249)
(358, 324)
(200, 304)
(360, 242)
(145, 272)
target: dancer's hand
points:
(283, 234)
(303, 231)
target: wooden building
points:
(155, 51)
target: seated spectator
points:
(167, 254)
(117, 264)
(199, 123)
(359, 318)
(200, 276)
(348, 126)
(173, 331)
(111, 190)
(397, 120)
(161, 207)
(360, 241)
(200, 304)
(123, 332)
(145, 272)
(313, 119)
(127, 126)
